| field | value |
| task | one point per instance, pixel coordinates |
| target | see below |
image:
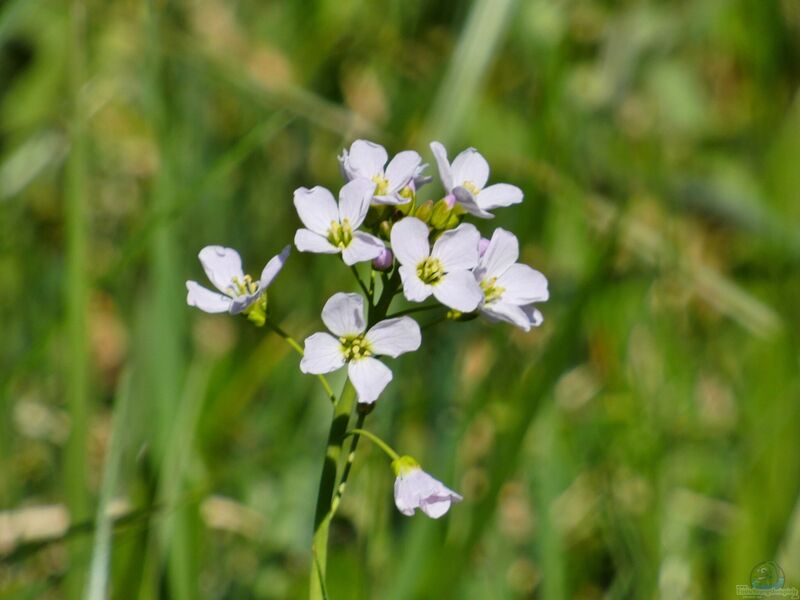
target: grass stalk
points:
(76, 376)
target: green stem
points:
(299, 349)
(357, 431)
(415, 309)
(361, 284)
(351, 456)
(327, 484)
(332, 475)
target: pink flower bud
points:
(483, 244)
(384, 260)
(450, 199)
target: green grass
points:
(641, 444)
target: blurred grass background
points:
(641, 444)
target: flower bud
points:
(441, 214)
(385, 229)
(424, 211)
(483, 244)
(384, 260)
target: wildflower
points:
(509, 288)
(332, 229)
(465, 181)
(414, 488)
(443, 271)
(223, 267)
(367, 160)
(350, 344)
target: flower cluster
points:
(423, 249)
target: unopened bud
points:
(385, 229)
(440, 214)
(483, 244)
(384, 260)
(424, 211)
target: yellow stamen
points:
(355, 347)
(430, 270)
(340, 234)
(491, 291)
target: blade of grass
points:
(101, 551)
(75, 480)
(472, 57)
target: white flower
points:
(443, 271)
(509, 288)
(332, 229)
(367, 160)
(223, 267)
(343, 315)
(466, 179)
(414, 488)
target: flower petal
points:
(459, 290)
(354, 199)
(205, 299)
(498, 195)
(410, 241)
(420, 177)
(418, 489)
(240, 304)
(343, 314)
(467, 200)
(458, 248)
(505, 311)
(366, 159)
(401, 169)
(413, 288)
(470, 166)
(502, 252)
(523, 285)
(437, 505)
(362, 247)
(394, 337)
(534, 316)
(445, 172)
(322, 354)
(221, 266)
(391, 199)
(370, 377)
(316, 208)
(306, 240)
(273, 267)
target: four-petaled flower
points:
(351, 344)
(465, 181)
(367, 160)
(223, 267)
(414, 488)
(509, 288)
(332, 229)
(444, 271)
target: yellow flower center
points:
(381, 185)
(355, 347)
(239, 287)
(471, 188)
(430, 270)
(491, 291)
(340, 234)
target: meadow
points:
(642, 443)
